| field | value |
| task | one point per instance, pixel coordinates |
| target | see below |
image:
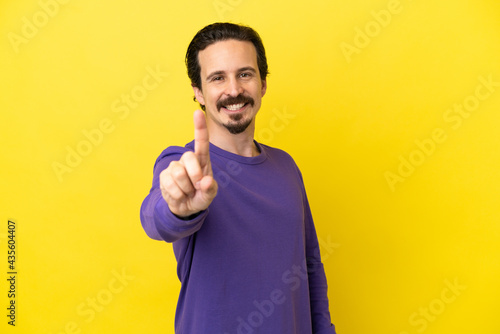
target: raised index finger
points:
(201, 141)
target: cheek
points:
(214, 96)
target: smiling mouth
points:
(234, 103)
(235, 107)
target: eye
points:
(217, 78)
(245, 75)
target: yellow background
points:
(389, 251)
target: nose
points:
(234, 87)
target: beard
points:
(237, 125)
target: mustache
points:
(235, 100)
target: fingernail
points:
(197, 185)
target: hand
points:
(188, 185)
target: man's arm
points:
(183, 188)
(318, 287)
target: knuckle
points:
(188, 155)
(173, 165)
(164, 174)
(176, 196)
(165, 181)
(174, 193)
(168, 185)
(190, 159)
(178, 172)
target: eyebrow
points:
(248, 68)
(243, 69)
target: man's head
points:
(217, 32)
(228, 68)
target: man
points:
(236, 210)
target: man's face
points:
(231, 87)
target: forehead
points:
(229, 55)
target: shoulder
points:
(284, 162)
(276, 154)
(172, 153)
(281, 158)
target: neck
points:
(240, 144)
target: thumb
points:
(209, 187)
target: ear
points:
(264, 87)
(198, 94)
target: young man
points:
(236, 210)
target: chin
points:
(238, 127)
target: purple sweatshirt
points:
(250, 263)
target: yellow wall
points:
(391, 111)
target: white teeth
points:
(234, 107)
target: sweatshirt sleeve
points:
(318, 287)
(158, 221)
